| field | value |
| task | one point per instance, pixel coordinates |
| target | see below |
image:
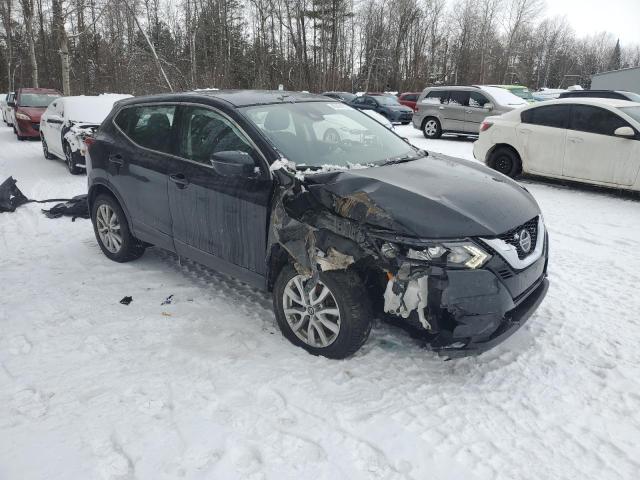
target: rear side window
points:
(590, 119)
(205, 132)
(556, 116)
(148, 126)
(459, 98)
(436, 96)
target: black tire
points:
(131, 248)
(506, 161)
(70, 159)
(431, 128)
(352, 302)
(45, 149)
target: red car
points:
(29, 105)
(409, 99)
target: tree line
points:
(150, 46)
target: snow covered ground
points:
(206, 387)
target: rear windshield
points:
(37, 99)
(633, 112)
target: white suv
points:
(593, 140)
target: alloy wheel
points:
(311, 311)
(68, 156)
(431, 128)
(108, 228)
(45, 149)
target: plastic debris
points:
(126, 300)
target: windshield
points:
(317, 134)
(37, 99)
(386, 100)
(633, 112)
(634, 97)
(522, 93)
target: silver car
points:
(461, 110)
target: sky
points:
(620, 17)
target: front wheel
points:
(506, 161)
(45, 150)
(330, 317)
(112, 231)
(69, 159)
(432, 128)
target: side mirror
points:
(488, 106)
(53, 118)
(625, 132)
(11, 103)
(233, 163)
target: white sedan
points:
(590, 140)
(66, 122)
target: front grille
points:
(512, 237)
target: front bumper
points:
(26, 128)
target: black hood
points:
(433, 197)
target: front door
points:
(219, 219)
(138, 167)
(476, 112)
(594, 153)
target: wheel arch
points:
(104, 188)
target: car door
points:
(594, 153)
(542, 136)
(454, 111)
(476, 112)
(52, 124)
(220, 216)
(360, 103)
(139, 165)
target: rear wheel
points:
(331, 318)
(112, 230)
(506, 161)
(432, 128)
(69, 159)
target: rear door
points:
(476, 113)
(542, 134)
(139, 167)
(454, 111)
(218, 219)
(594, 153)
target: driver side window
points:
(205, 132)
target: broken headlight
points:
(455, 254)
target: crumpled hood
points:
(433, 197)
(34, 112)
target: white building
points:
(627, 79)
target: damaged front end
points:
(450, 289)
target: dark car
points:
(615, 94)
(340, 232)
(385, 105)
(345, 97)
(29, 104)
(409, 99)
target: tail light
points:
(484, 126)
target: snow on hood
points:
(505, 97)
(90, 109)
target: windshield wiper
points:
(405, 159)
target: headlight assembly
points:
(453, 254)
(23, 116)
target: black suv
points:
(341, 228)
(615, 94)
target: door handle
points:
(179, 179)
(525, 131)
(116, 159)
(575, 140)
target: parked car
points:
(386, 106)
(519, 91)
(339, 232)
(545, 94)
(345, 97)
(588, 140)
(3, 105)
(67, 121)
(615, 94)
(460, 110)
(7, 109)
(409, 99)
(29, 104)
